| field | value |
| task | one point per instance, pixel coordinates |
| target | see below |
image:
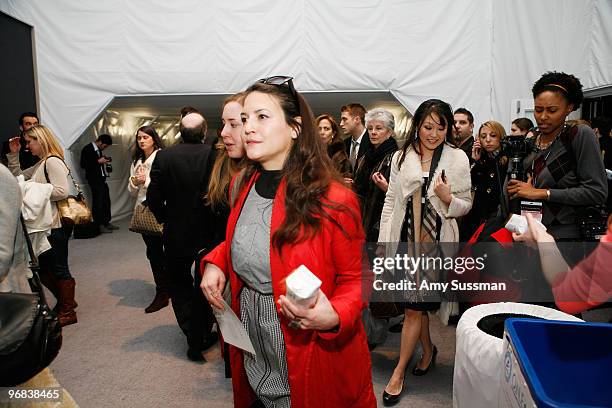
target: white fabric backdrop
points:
(474, 53)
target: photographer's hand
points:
(103, 160)
(520, 189)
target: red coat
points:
(325, 369)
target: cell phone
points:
(443, 176)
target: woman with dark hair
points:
(488, 175)
(429, 187)
(148, 143)
(292, 210)
(329, 132)
(373, 169)
(565, 169)
(520, 126)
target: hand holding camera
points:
(521, 189)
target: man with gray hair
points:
(179, 176)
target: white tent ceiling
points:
(475, 53)
(480, 54)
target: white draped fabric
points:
(480, 54)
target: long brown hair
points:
(308, 170)
(224, 168)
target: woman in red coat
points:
(293, 210)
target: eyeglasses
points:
(280, 80)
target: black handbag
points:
(30, 333)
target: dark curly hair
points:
(308, 171)
(561, 83)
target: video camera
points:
(515, 148)
(108, 165)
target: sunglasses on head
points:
(280, 80)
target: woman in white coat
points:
(148, 143)
(429, 188)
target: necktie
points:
(354, 151)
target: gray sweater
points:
(572, 184)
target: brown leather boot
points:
(159, 302)
(66, 314)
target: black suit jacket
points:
(89, 162)
(364, 146)
(179, 176)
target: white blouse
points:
(140, 192)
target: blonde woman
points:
(53, 170)
(488, 174)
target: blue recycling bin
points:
(563, 364)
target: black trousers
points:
(55, 260)
(100, 202)
(193, 313)
(155, 255)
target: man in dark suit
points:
(96, 172)
(352, 122)
(463, 131)
(26, 158)
(179, 177)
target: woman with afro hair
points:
(565, 170)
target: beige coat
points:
(408, 180)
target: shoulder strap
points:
(566, 138)
(45, 166)
(76, 186)
(34, 266)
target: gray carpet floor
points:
(118, 356)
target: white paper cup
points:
(302, 287)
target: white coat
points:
(406, 181)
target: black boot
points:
(160, 301)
